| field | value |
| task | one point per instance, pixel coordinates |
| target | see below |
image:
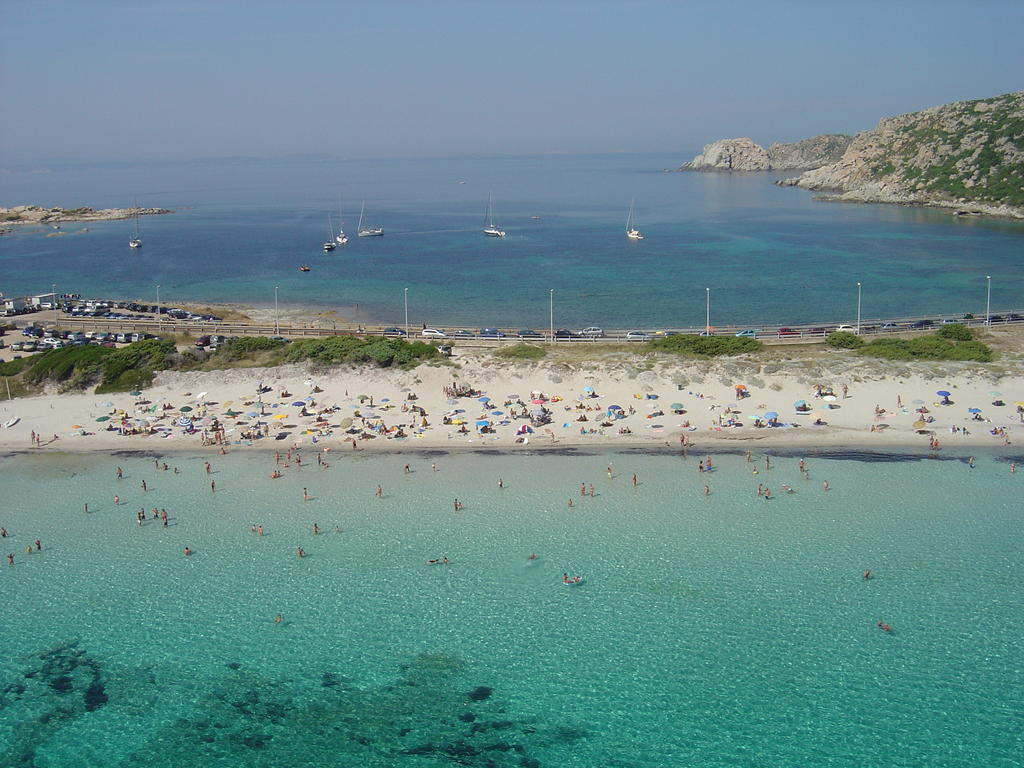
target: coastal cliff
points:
(968, 156)
(745, 155)
(33, 214)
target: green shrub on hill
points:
(133, 366)
(927, 348)
(844, 340)
(357, 349)
(705, 346)
(521, 352)
(247, 346)
(956, 332)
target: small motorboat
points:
(304, 268)
(11, 422)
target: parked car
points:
(394, 332)
(1013, 317)
(526, 333)
(491, 333)
(788, 332)
(17, 346)
(29, 346)
(433, 333)
(706, 333)
(918, 324)
(32, 331)
(565, 333)
(203, 341)
(846, 329)
(462, 333)
(746, 334)
(638, 336)
(593, 332)
(889, 327)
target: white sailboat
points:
(135, 241)
(368, 232)
(341, 238)
(631, 231)
(330, 245)
(489, 229)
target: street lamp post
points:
(988, 300)
(158, 305)
(54, 286)
(406, 293)
(858, 309)
(551, 312)
(707, 313)
(277, 327)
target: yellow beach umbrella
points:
(919, 424)
(281, 416)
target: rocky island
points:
(745, 155)
(967, 156)
(34, 214)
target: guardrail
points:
(796, 334)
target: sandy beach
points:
(482, 403)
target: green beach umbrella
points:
(185, 408)
(103, 418)
(135, 394)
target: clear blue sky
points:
(162, 79)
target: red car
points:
(788, 332)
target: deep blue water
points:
(768, 254)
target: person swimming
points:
(883, 626)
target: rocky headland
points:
(34, 214)
(967, 156)
(746, 155)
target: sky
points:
(164, 80)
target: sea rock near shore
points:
(34, 214)
(968, 156)
(745, 155)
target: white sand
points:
(706, 390)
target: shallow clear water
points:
(720, 630)
(769, 255)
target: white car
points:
(846, 329)
(593, 332)
(638, 336)
(433, 333)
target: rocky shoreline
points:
(34, 214)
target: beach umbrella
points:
(135, 394)
(830, 398)
(919, 424)
(1019, 402)
(615, 408)
(251, 415)
(917, 402)
(299, 403)
(826, 407)
(512, 397)
(994, 394)
(497, 413)
(200, 396)
(588, 389)
(483, 423)
(383, 399)
(280, 416)
(103, 418)
(106, 404)
(184, 421)
(345, 423)
(974, 410)
(483, 399)
(942, 393)
(771, 415)
(524, 430)
(185, 408)
(676, 406)
(538, 402)
(799, 403)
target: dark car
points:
(491, 333)
(565, 333)
(203, 341)
(788, 332)
(394, 332)
(526, 333)
(462, 333)
(1013, 317)
(918, 324)
(995, 318)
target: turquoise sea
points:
(718, 630)
(767, 254)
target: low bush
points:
(927, 348)
(521, 352)
(844, 340)
(705, 346)
(357, 349)
(956, 332)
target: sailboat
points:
(631, 231)
(489, 229)
(135, 241)
(341, 237)
(368, 232)
(330, 245)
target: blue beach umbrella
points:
(974, 410)
(299, 403)
(483, 399)
(771, 415)
(483, 423)
(942, 393)
(588, 389)
(799, 403)
(615, 408)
